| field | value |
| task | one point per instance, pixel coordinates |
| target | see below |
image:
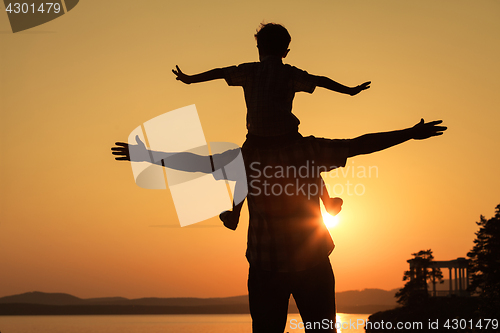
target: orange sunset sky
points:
(72, 219)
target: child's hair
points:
(272, 39)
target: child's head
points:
(272, 39)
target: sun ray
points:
(329, 220)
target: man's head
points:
(272, 39)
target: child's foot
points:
(333, 205)
(230, 219)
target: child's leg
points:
(230, 218)
(332, 205)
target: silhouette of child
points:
(269, 87)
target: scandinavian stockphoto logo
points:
(32, 13)
(204, 180)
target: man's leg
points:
(314, 293)
(268, 294)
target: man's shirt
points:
(286, 230)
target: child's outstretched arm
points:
(213, 74)
(328, 83)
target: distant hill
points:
(367, 297)
(32, 303)
(37, 297)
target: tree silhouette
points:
(415, 292)
(485, 265)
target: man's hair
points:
(272, 39)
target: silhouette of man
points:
(288, 243)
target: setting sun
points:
(330, 221)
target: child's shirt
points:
(269, 87)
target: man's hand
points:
(360, 88)
(424, 130)
(372, 142)
(123, 151)
(181, 76)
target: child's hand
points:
(360, 88)
(181, 76)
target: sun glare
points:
(329, 220)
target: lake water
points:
(157, 324)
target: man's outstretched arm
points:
(370, 143)
(214, 74)
(183, 161)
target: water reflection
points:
(346, 323)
